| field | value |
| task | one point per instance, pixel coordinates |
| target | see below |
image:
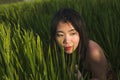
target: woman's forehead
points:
(65, 26)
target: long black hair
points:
(70, 15)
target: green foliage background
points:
(24, 35)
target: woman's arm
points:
(97, 62)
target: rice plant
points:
(22, 57)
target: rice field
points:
(25, 53)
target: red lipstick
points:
(68, 48)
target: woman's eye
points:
(72, 33)
(60, 35)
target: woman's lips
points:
(68, 48)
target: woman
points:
(68, 32)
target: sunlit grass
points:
(22, 57)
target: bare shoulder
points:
(97, 61)
(98, 64)
(96, 53)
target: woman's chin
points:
(68, 52)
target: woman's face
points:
(67, 37)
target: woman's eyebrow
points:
(59, 31)
(72, 30)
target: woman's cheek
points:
(59, 41)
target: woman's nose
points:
(66, 39)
